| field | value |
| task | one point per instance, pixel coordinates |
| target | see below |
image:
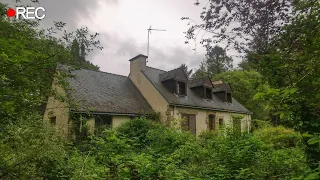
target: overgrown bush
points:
(30, 149)
(143, 149)
(279, 137)
(258, 124)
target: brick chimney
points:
(137, 64)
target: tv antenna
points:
(149, 32)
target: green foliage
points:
(186, 70)
(236, 122)
(279, 137)
(28, 61)
(153, 115)
(80, 129)
(259, 124)
(291, 67)
(30, 149)
(215, 62)
(245, 84)
(143, 149)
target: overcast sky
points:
(123, 25)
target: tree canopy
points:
(245, 85)
(280, 40)
(215, 62)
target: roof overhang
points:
(107, 113)
(211, 109)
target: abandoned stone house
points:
(113, 99)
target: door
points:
(237, 126)
(192, 124)
(189, 123)
(212, 122)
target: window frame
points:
(186, 125)
(221, 123)
(102, 123)
(181, 88)
(53, 120)
(212, 122)
(206, 93)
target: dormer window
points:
(175, 81)
(223, 91)
(208, 93)
(229, 98)
(181, 88)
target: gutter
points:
(213, 109)
(106, 113)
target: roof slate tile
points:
(105, 92)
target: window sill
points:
(208, 100)
(179, 95)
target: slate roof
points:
(106, 93)
(200, 82)
(192, 99)
(174, 74)
(222, 87)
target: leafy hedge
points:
(142, 149)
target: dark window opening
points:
(181, 88)
(104, 121)
(229, 97)
(53, 120)
(212, 122)
(221, 122)
(208, 93)
(189, 123)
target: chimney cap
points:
(217, 82)
(138, 56)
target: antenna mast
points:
(149, 32)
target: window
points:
(181, 88)
(189, 123)
(208, 93)
(229, 98)
(103, 121)
(212, 122)
(221, 122)
(53, 120)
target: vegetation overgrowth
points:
(278, 81)
(143, 149)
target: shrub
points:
(137, 129)
(259, 124)
(143, 149)
(30, 149)
(279, 137)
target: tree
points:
(244, 25)
(75, 50)
(215, 62)
(29, 56)
(292, 68)
(245, 84)
(244, 65)
(186, 70)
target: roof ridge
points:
(156, 68)
(105, 72)
(171, 70)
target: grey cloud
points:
(68, 11)
(118, 50)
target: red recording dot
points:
(11, 12)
